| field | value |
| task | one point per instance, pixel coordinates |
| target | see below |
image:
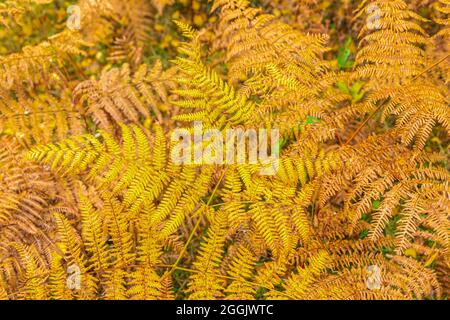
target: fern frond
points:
(41, 119)
(34, 63)
(205, 283)
(118, 96)
(221, 104)
(396, 25)
(94, 235)
(241, 268)
(34, 271)
(12, 10)
(115, 285)
(57, 280)
(135, 15)
(298, 284)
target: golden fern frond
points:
(440, 50)
(276, 63)
(215, 101)
(3, 292)
(188, 202)
(269, 275)
(36, 62)
(413, 279)
(38, 119)
(115, 285)
(30, 199)
(132, 27)
(241, 269)
(255, 40)
(145, 284)
(101, 154)
(410, 189)
(419, 109)
(32, 278)
(57, 285)
(234, 201)
(425, 104)
(298, 285)
(119, 96)
(167, 289)
(136, 179)
(266, 226)
(119, 231)
(94, 235)
(12, 10)
(422, 210)
(95, 19)
(135, 25)
(69, 240)
(390, 43)
(26, 196)
(205, 283)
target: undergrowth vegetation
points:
(92, 205)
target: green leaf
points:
(342, 86)
(376, 204)
(359, 96)
(342, 58)
(311, 120)
(356, 87)
(363, 233)
(344, 55)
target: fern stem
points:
(431, 67)
(362, 125)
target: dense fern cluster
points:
(92, 205)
